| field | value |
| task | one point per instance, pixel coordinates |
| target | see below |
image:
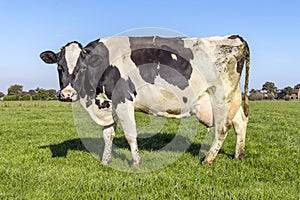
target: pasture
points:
(42, 157)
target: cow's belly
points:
(164, 101)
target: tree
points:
(252, 91)
(1, 94)
(288, 90)
(15, 90)
(297, 87)
(269, 87)
(31, 92)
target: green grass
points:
(42, 157)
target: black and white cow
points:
(169, 77)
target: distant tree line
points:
(16, 93)
(269, 91)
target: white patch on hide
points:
(174, 57)
(72, 54)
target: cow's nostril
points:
(67, 95)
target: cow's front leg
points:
(132, 140)
(108, 136)
(125, 113)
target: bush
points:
(271, 96)
(36, 97)
(256, 97)
(25, 98)
(287, 97)
(11, 98)
(43, 94)
(17, 98)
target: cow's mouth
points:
(67, 97)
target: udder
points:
(204, 111)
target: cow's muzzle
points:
(67, 94)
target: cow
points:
(113, 77)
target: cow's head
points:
(70, 68)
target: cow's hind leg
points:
(125, 113)
(220, 135)
(240, 125)
(222, 124)
(108, 135)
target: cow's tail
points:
(246, 98)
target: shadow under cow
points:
(153, 142)
(149, 142)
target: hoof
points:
(239, 157)
(207, 162)
(105, 162)
(135, 164)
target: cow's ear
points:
(49, 57)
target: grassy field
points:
(43, 157)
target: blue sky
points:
(272, 29)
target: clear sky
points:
(272, 29)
